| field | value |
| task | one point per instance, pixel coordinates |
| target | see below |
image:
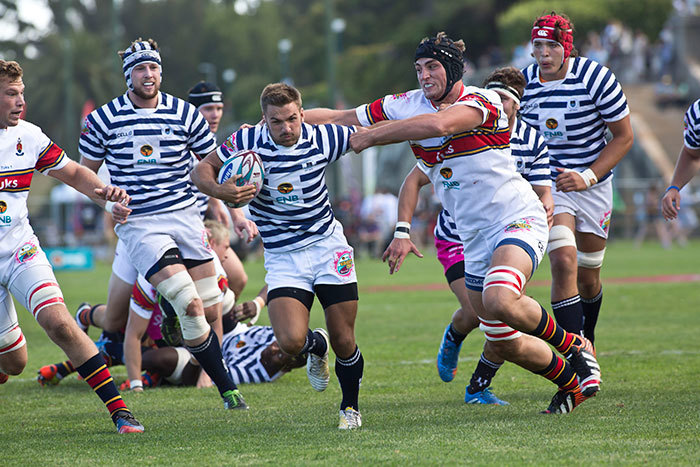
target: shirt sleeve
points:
(691, 123)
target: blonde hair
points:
(217, 232)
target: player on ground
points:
(306, 253)
(146, 137)
(26, 273)
(532, 161)
(464, 151)
(688, 162)
(572, 100)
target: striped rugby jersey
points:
(293, 209)
(241, 349)
(23, 149)
(691, 130)
(473, 173)
(572, 113)
(531, 161)
(148, 150)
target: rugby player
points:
(146, 137)
(25, 272)
(573, 101)
(306, 253)
(688, 162)
(464, 151)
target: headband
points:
(545, 27)
(139, 52)
(204, 94)
(510, 90)
(450, 57)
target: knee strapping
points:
(592, 260)
(560, 236)
(179, 290)
(498, 330)
(194, 327)
(505, 276)
(44, 295)
(208, 290)
(12, 340)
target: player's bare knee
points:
(13, 356)
(13, 366)
(290, 345)
(506, 349)
(343, 346)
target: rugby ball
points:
(248, 165)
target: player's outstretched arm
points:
(453, 120)
(401, 245)
(687, 167)
(321, 115)
(204, 175)
(135, 329)
(110, 197)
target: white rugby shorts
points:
(147, 238)
(122, 267)
(330, 261)
(592, 208)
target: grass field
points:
(648, 411)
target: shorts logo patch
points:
(26, 252)
(446, 173)
(605, 221)
(343, 263)
(521, 225)
(146, 150)
(285, 188)
(551, 123)
(205, 240)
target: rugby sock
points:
(549, 331)
(85, 316)
(482, 376)
(559, 372)
(349, 373)
(455, 336)
(591, 309)
(569, 314)
(96, 374)
(63, 369)
(315, 344)
(208, 354)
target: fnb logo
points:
(285, 188)
(446, 173)
(551, 123)
(146, 150)
(287, 199)
(450, 185)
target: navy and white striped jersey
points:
(293, 209)
(530, 153)
(691, 130)
(572, 113)
(241, 352)
(147, 151)
(531, 160)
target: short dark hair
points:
(279, 95)
(510, 76)
(10, 71)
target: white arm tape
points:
(259, 304)
(135, 383)
(589, 177)
(109, 206)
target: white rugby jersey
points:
(691, 130)
(23, 149)
(473, 173)
(241, 349)
(148, 150)
(531, 161)
(293, 209)
(572, 113)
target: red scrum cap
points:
(546, 27)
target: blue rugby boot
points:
(447, 357)
(483, 397)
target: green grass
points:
(647, 413)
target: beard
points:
(144, 94)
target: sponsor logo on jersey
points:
(122, 134)
(85, 129)
(3, 206)
(167, 131)
(4, 220)
(343, 262)
(551, 123)
(205, 240)
(520, 225)
(26, 252)
(230, 143)
(446, 173)
(240, 343)
(19, 152)
(402, 95)
(285, 188)
(146, 150)
(605, 221)
(8, 183)
(573, 104)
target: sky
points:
(32, 11)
